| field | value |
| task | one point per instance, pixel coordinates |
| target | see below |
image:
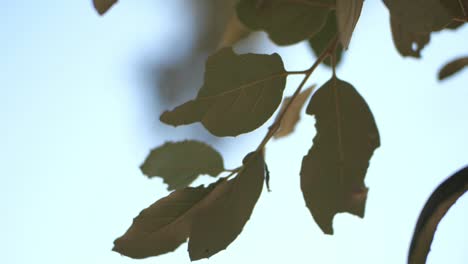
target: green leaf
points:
(218, 223)
(102, 6)
(320, 41)
(292, 116)
(347, 15)
(180, 163)
(408, 43)
(239, 94)
(453, 67)
(434, 210)
(413, 21)
(286, 21)
(332, 173)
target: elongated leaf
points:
(102, 6)
(216, 225)
(347, 15)
(292, 116)
(332, 173)
(408, 43)
(319, 42)
(434, 210)
(240, 93)
(453, 67)
(165, 225)
(286, 21)
(180, 163)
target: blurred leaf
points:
(434, 210)
(319, 42)
(347, 15)
(233, 32)
(240, 93)
(102, 6)
(166, 224)
(286, 22)
(292, 116)
(457, 8)
(453, 67)
(218, 223)
(408, 43)
(332, 173)
(180, 163)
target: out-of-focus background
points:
(80, 99)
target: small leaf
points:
(347, 15)
(408, 43)
(102, 6)
(165, 225)
(233, 32)
(286, 22)
(180, 163)
(332, 173)
(434, 210)
(453, 67)
(292, 116)
(218, 223)
(320, 41)
(240, 93)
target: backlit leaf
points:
(239, 94)
(347, 15)
(453, 67)
(286, 21)
(102, 6)
(180, 163)
(408, 43)
(332, 173)
(233, 32)
(292, 116)
(218, 223)
(320, 41)
(434, 210)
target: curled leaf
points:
(453, 67)
(347, 15)
(434, 210)
(332, 173)
(239, 94)
(180, 163)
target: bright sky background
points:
(76, 126)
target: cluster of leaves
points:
(242, 91)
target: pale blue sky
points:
(76, 126)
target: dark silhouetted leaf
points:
(434, 210)
(453, 67)
(457, 8)
(180, 163)
(165, 225)
(413, 21)
(408, 43)
(292, 116)
(102, 6)
(332, 173)
(321, 40)
(218, 223)
(347, 15)
(240, 93)
(286, 22)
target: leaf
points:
(320, 41)
(223, 207)
(453, 67)
(218, 223)
(165, 225)
(347, 15)
(233, 32)
(102, 6)
(457, 8)
(180, 163)
(292, 116)
(408, 43)
(332, 173)
(286, 22)
(434, 210)
(240, 93)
